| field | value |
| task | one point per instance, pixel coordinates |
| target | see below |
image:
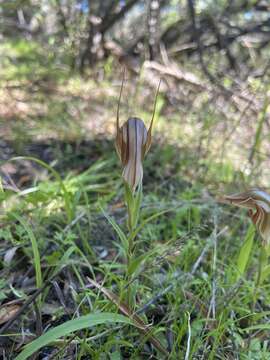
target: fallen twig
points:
(138, 322)
(28, 302)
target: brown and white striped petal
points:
(130, 146)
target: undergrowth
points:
(194, 283)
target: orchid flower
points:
(132, 143)
(258, 203)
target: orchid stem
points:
(133, 202)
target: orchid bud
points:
(132, 143)
(258, 203)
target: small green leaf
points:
(135, 263)
(117, 228)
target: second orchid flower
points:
(258, 203)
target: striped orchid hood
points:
(258, 203)
(132, 143)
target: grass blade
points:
(66, 195)
(82, 322)
(35, 249)
(117, 228)
(259, 327)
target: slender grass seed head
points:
(257, 202)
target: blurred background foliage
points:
(62, 63)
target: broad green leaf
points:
(265, 273)
(69, 327)
(245, 251)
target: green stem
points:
(263, 258)
(133, 202)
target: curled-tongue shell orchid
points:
(132, 143)
(258, 203)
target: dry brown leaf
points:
(7, 311)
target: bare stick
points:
(154, 110)
(31, 299)
(119, 100)
(189, 337)
(148, 140)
